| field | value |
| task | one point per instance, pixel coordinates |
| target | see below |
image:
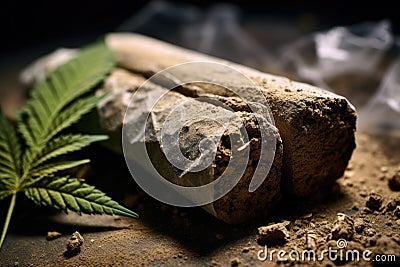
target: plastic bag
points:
(382, 113)
(344, 60)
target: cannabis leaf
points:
(74, 194)
(28, 155)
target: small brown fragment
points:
(394, 182)
(307, 216)
(235, 262)
(374, 201)
(274, 232)
(396, 212)
(51, 235)
(246, 249)
(391, 205)
(74, 243)
(311, 240)
(370, 232)
(214, 263)
(343, 227)
(359, 225)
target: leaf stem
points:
(8, 218)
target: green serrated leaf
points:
(51, 168)
(55, 104)
(10, 151)
(25, 132)
(74, 194)
(5, 185)
(6, 182)
(66, 83)
(65, 144)
(72, 114)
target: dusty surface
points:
(169, 236)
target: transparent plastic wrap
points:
(382, 112)
(344, 60)
(356, 62)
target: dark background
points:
(41, 26)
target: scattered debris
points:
(235, 262)
(51, 235)
(366, 210)
(246, 249)
(74, 243)
(298, 223)
(374, 201)
(359, 225)
(394, 181)
(343, 227)
(397, 212)
(273, 232)
(215, 263)
(391, 205)
(306, 216)
(370, 232)
(363, 194)
(311, 240)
